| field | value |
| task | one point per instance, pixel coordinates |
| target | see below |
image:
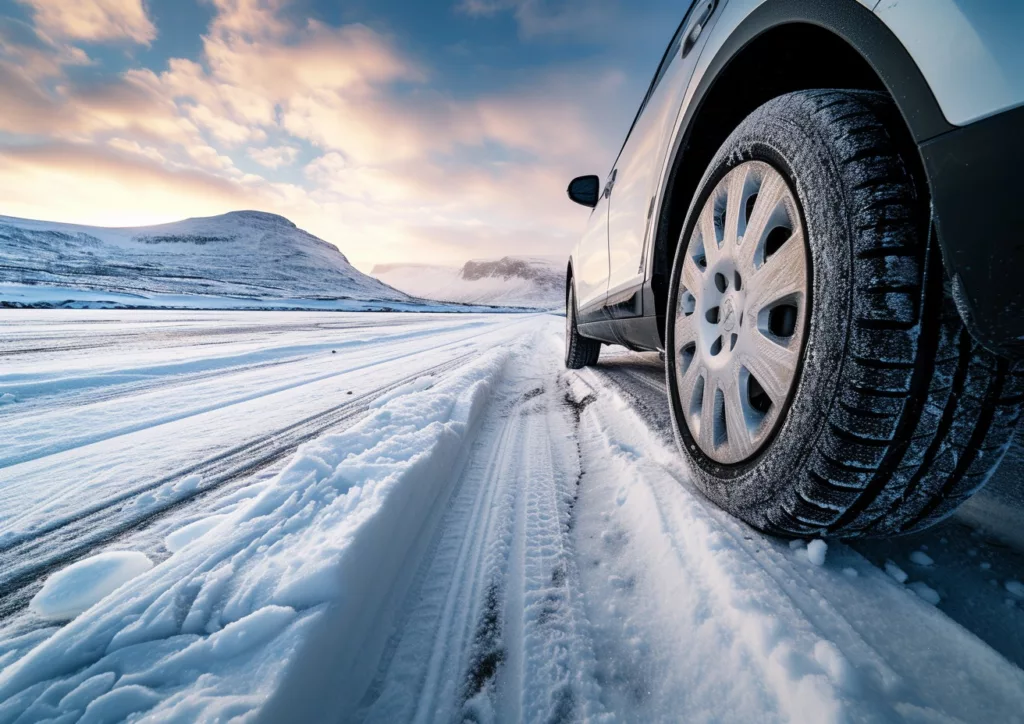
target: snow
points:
(74, 589)
(816, 550)
(239, 260)
(511, 281)
(473, 533)
(193, 531)
(895, 572)
(243, 254)
(926, 592)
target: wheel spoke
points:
(772, 365)
(707, 415)
(733, 208)
(784, 274)
(692, 276)
(685, 329)
(772, 191)
(687, 382)
(736, 421)
(707, 231)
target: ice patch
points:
(1016, 588)
(7, 399)
(193, 531)
(816, 550)
(72, 590)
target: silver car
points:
(815, 217)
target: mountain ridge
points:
(241, 254)
(524, 281)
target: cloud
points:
(85, 178)
(401, 170)
(93, 20)
(538, 18)
(274, 156)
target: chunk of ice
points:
(895, 572)
(816, 550)
(921, 558)
(72, 590)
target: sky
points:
(399, 130)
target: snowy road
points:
(467, 531)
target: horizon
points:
(398, 132)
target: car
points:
(814, 218)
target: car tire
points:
(580, 351)
(894, 415)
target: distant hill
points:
(247, 255)
(510, 281)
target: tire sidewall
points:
(803, 158)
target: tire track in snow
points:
(67, 444)
(495, 629)
(26, 561)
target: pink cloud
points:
(94, 20)
(402, 173)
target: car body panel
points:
(641, 161)
(590, 260)
(970, 52)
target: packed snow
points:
(391, 517)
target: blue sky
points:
(438, 130)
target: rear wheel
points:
(579, 351)
(820, 378)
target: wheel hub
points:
(740, 312)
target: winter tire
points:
(580, 351)
(820, 379)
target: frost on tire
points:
(897, 415)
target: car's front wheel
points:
(820, 379)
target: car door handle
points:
(697, 24)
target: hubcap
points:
(739, 323)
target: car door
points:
(641, 162)
(590, 262)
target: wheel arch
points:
(781, 47)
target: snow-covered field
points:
(396, 517)
(537, 282)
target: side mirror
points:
(585, 190)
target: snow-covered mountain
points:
(512, 281)
(244, 254)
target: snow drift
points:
(301, 574)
